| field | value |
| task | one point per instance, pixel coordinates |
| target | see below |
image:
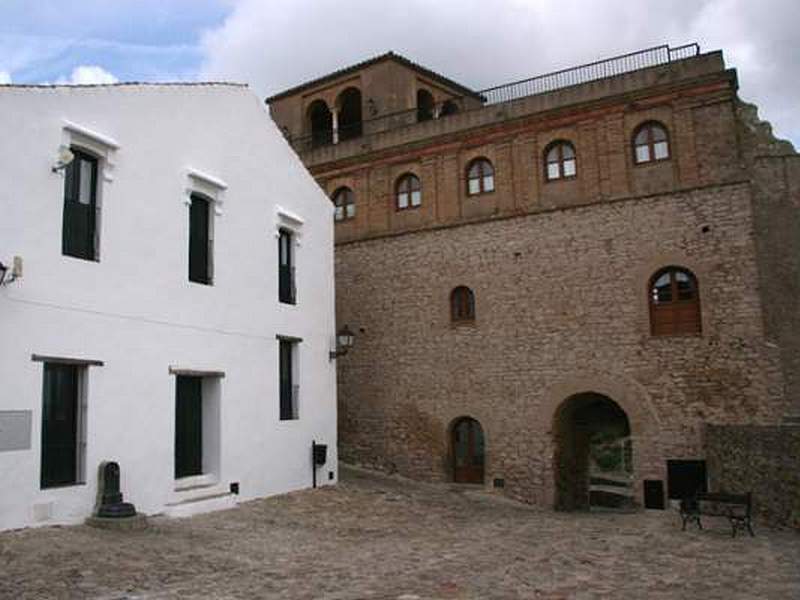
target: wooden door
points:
(188, 426)
(59, 425)
(468, 451)
(80, 206)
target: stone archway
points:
(350, 122)
(320, 123)
(593, 460)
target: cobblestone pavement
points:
(387, 538)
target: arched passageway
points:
(425, 105)
(468, 449)
(321, 123)
(350, 125)
(594, 454)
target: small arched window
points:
(650, 143)
(560, 161)
(674, 302)
(480, 177)
(344, 201)
(462, 305)
(409, 192)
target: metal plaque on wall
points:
(15, 430)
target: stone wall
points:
(763, 460)
(561, 301)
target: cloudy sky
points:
(274, 44)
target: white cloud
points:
(88, 75)
(5, 77)
(274, 45)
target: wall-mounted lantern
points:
(344, 341)
(63, 159)
(16, 271)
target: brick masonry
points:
(561, 302)
(763, 460)
(560, 271)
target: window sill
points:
(61, 486)
(479, 195)
(659, 336)
(459, 324)
(649, 163)
(560, 179)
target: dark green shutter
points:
(78, 232)
(188, 426)
(286, 287)
(199, 247)
(59, 425)
(286, 408)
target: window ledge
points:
(207, 179)
(61, 486)
(97, 138)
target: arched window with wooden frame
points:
(674, 298)
(408, 192)
(462, 305)
(344, 202)
(650, 143)
(560, 161)
(480, 177)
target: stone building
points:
(556, 284)
(165, 302)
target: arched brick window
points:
(480, 177)
(345, 202)
(650, 143)
(409, 192)
(560, 161)
(674, 302)
(462, 305)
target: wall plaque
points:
(15, 430)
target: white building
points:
(140, 318)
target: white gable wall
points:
(136, 310)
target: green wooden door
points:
(80, 206)
(59, 425)
(188, 426)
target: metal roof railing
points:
(541, 84)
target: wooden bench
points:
(736, 507)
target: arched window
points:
(650, 143)
(345, 202)
(409, 192)
(350, 124)
(425, 105)
(560, 161)
(480, 177)
(448, 108)
(674, 302)
(321, 123)
(462, 305)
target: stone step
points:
(197, 505)
(791, 420)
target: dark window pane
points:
(286, 274)
(199, 240)
(188, 426)
(287, 408)
(80, 206)
(59, 425)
